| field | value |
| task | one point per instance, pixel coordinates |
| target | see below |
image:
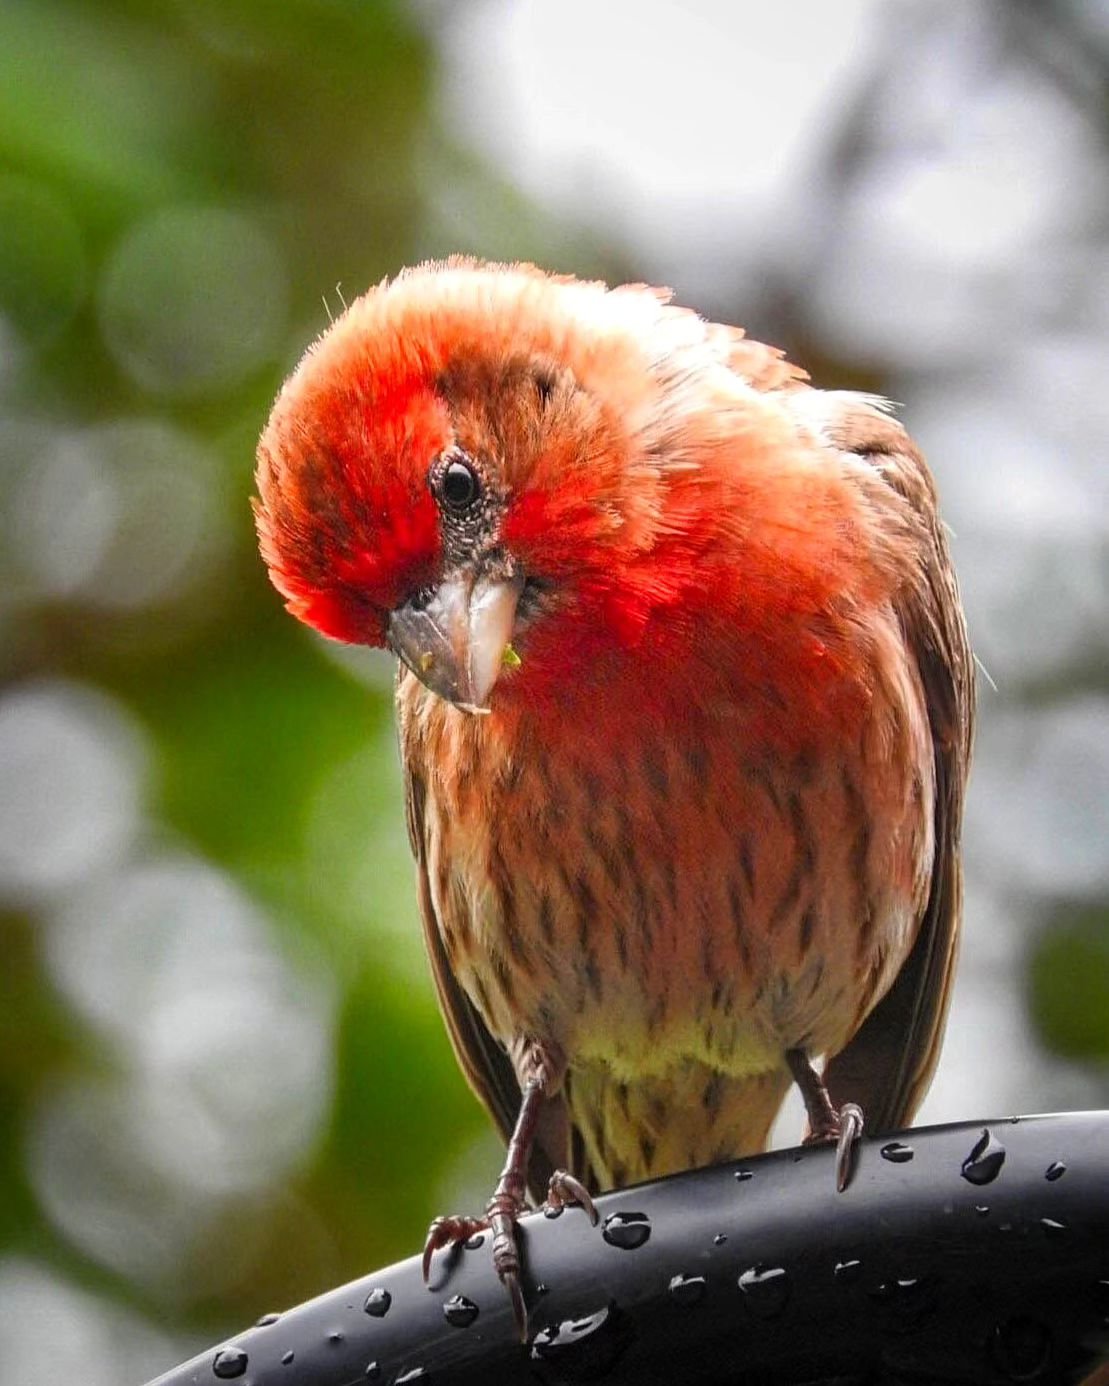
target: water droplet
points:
(1021, 1348)
(720, 1239)
(1054, 1171)
(765, 1290)
(472, 1243)
(377, 1303)
(459, 1311)
(373, 1371)
(334, 1337)
(984, 1162)
(742, 1175)
(288, 1358)
(909, 1297)
(848, 1271)
(982, 1209)
(414, 1374)
(266, 1320)
(228, 1363)
(687, 1289)
(583, 1349)
(897, 1153)
(626, 1230)
(1052, 1227)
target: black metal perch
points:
(975, 1253)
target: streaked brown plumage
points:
(714, 817)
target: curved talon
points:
(826, 1124)
(503, 1215)
(850, 1129)
(449, 1231)
(564, 1190)
(510, 1279)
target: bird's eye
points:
(459, 485)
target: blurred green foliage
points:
(182, 187)
(1069, 984)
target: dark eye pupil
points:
(460, 486)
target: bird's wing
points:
(483, 1060)
(888, 1064)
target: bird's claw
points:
(564, 1191)
(850, 1130)
(505, 1208)
(844, 1128)
(501, 1216)
(449, 1231)
(503, 1213)
(511, 1281)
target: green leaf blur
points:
(1069, 984)
(186, 193)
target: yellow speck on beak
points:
(427, 659)
(510, 659)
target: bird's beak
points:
(455, 642)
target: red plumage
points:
(711, 821)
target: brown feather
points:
(888, 1065)
(891, 1049)
(485, 1062)
(714, 815)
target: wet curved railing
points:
(975, 1252)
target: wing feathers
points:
(889, 1063)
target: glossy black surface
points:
(983, 1258)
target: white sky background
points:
(673, 125)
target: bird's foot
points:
(565, 1191)
(827, 1123)
(452, 1230)
(505, 1208)
(502, 1213)
(843, 1128)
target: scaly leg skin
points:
(504, 1209)
(826, 1124)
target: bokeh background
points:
(224, 1085)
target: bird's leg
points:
(503, 1209)
(826, 1123)
(537, 1070)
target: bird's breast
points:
(654, 900)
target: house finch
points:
(685, 703)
